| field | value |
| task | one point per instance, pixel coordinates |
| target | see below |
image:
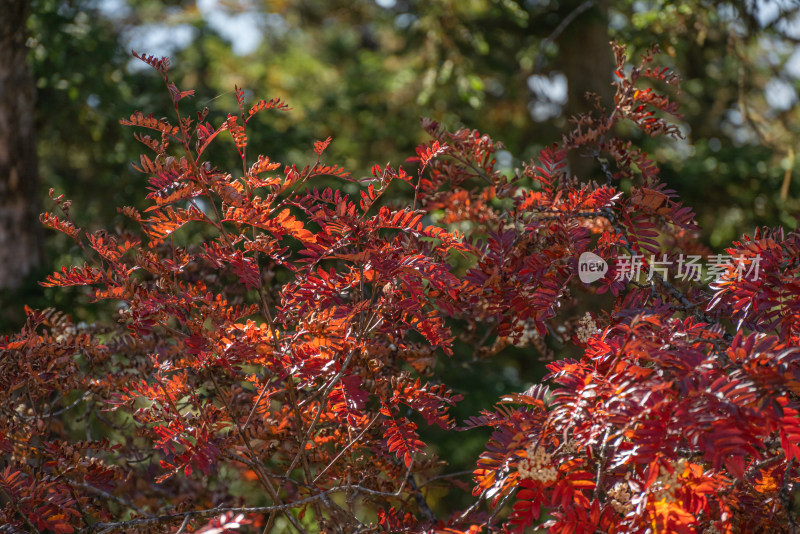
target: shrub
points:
(273, 353)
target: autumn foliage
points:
(273, 354)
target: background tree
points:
(20, 234)
(497, 66)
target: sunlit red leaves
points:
(245, 267)
(662, 202)
(75, 276)
(401, 435)
(641, 105)
(185, 449)
(278, 224)
(295, 363)
(160, 64)
(46, 503)
(237, 132)
(642, 234)
(551, 168)
(790, 429)
(660, 407)
(462, 146)
(177, 94)
(320, 146)
(110, 247)
(163, 222)
(393, 520)
(139, 119)
(528, 506)
(427, 153)
(324, 170)
(432, 402)
(759, 286)
(668, 516)
(347, 400)
(263, 164)
(275, 103)
(67, 227)
(573, 404)
(495, 475)
(583, 519)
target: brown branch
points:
(19, 511)
(211, 512)
(347, 447)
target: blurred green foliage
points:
(364, 72)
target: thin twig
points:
(352, 442)
(184, 524)
(103, 493)
(18, 510)
(57, 412)
(565, 22)
(210, 512)
(445, 476)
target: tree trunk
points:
(588, 63)
(20, 230)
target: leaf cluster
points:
(271, 363)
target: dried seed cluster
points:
(620, 496)
(586, 328)
(538, 466)
(667, 482)
(528, 336)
